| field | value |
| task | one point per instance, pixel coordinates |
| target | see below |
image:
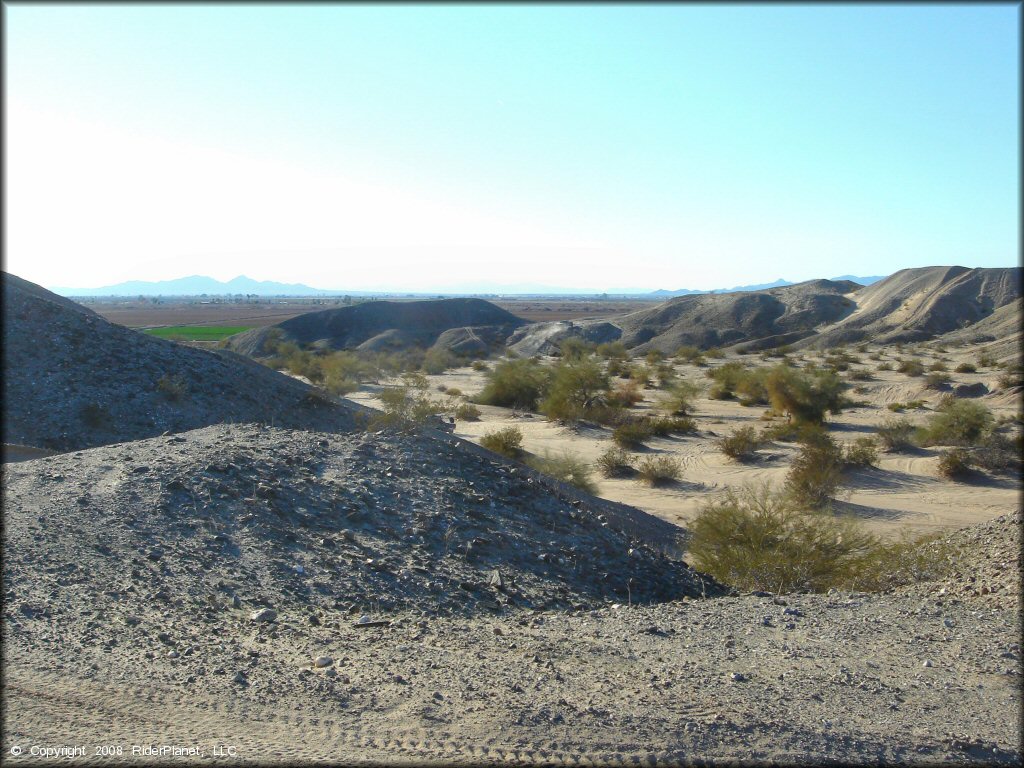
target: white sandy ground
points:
(905, 493)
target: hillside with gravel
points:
(74, 380)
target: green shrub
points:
(911, 367)
(805, 396)
(665, 374)
(783, 431)
(886, 366)
(615, 462)
(632, 435)
(674, 425)
(479, 365)
(757, 539)
(863, 452)
(689, 354)
(987, 360)
(741, 444)
(714, 353)
(752, 387)
(957, 422)
(955, 463)
(641, 374)
(578, 385)
(654, 357)
(896, 434)
(613, 350)
(406, 406)
(626, 396)
(574, 348)
(567, 467)
(659, 470)
(466, 412)
(516, 384)
(966, 368)
(861, 374)
(507, 441)
(816, 472)
(726, 377)
(678, 401)
(438, 360)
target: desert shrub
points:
(618, 368)
(516, 384)
(613, 350)
(665, 374)
(452, 391)
(936, 379)
(726, 377)
(862, 452)
(678, 401)
(861, 374)
(632, 435)
(741, 444)
(755, 538)
(673, 425)
(574, 348)
(615, 462)
(784, 431)
(714, 353)
(577, 386)
(987, 360)
(966, 368)
(406, 406)
(752, 386)
(896, 434)
(955, 463)
(612, 415)
(886, 366)
(567, 467)
(1009, 380)
(654, 357)
(688, 354)
(479, 365)
(344, 371)
(466, 412)
(173, 386)
(957, 422)
(438, 360)
(640, 373)
(94, 415)
(911, 367)
(805, 396)
(997, 452)
(507, 441)
(816, 472)
(938, 365)
(906, 560)
(659, 470)
(626, 396)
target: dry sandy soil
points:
(904, 493)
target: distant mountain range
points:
(195, 285)
(780, 283)
(198, 285)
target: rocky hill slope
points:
(465, 326)
(919, 304)
(74, 380)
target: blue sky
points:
(431, 147)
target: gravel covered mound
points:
(216, 523)
(382, 325)
(74, 380)
(985, 564)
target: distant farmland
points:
(197, 332)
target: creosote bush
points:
(507, 441)
(466, 412)
(578, 385)
(896, 434)
(805, 395)
(516, 384)
(677, 425)
(741, 444)
(756, 538)
(911, 367)
(955, 463)
(862, 452)
(966, 368)
(816, 472)
(659, 470)
(678, 401)
(626, 395)
(957, 422)
(633, 434)
(406, 406)
(616, 462)
(613, 350)
(567, 467)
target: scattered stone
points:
(264, 615)
(323, 661)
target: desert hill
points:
(464, 326)
(74, 380)
(769, 317)
(920, 304)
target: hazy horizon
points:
(413, 148)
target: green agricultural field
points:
(197, 332)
